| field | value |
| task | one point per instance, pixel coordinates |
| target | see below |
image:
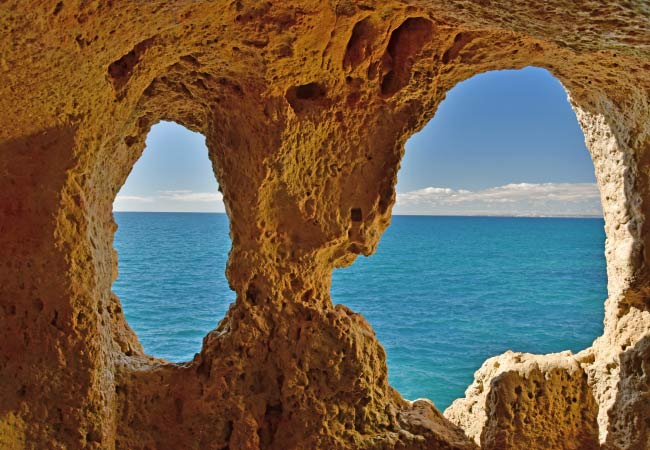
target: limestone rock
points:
(520, 400)
(305, 107)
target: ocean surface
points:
(442, 293)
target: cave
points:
(305, 108)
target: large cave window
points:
(172, 243)
(457, 277)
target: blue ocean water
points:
(442, 293)
(171, 280)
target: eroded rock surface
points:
(520, 400)
(305, 107)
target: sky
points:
(174, 173)
(501, 143)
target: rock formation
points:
(305, 107)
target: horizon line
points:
(519, 216)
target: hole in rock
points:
(172, 243)
(496, 240)
(299, 97)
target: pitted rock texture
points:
(545, 398)
(305, 107)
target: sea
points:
(442, 293)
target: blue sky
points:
(503, 143)
(173, 174)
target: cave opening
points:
(172, 243)
(496, 240)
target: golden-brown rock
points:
(305, 107)
(546, 399)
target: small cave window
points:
(172, 243)
(496, 241)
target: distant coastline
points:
(511, 216)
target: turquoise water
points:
(442, 293)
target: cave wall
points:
(305, 107)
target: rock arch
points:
(305, 108)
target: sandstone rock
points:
(305, 107)
(520, 400)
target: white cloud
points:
(190, 196)
(527, 199)
(133, 198)
(183, 200)
(516, 199)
